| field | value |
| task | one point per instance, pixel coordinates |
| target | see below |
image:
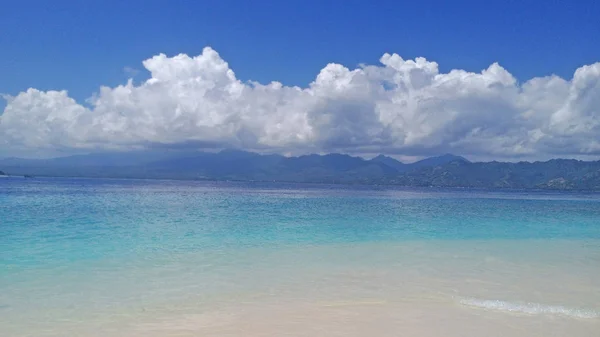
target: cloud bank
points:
(398, 107)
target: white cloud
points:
(399, 107)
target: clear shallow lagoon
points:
(86, 257)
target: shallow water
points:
(87, 257)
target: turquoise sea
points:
(94, 257)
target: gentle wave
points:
(530, 308)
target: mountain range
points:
(442, 171)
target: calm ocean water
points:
(91, 257)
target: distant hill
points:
(427, 162)
(562, 174)
(443, 171)
(391, 162)
(437, 161)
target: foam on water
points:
(529, 308)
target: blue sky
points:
(79, 46)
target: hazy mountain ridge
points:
(442, 171)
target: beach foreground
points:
(84, 258)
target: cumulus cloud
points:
(398, 107)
